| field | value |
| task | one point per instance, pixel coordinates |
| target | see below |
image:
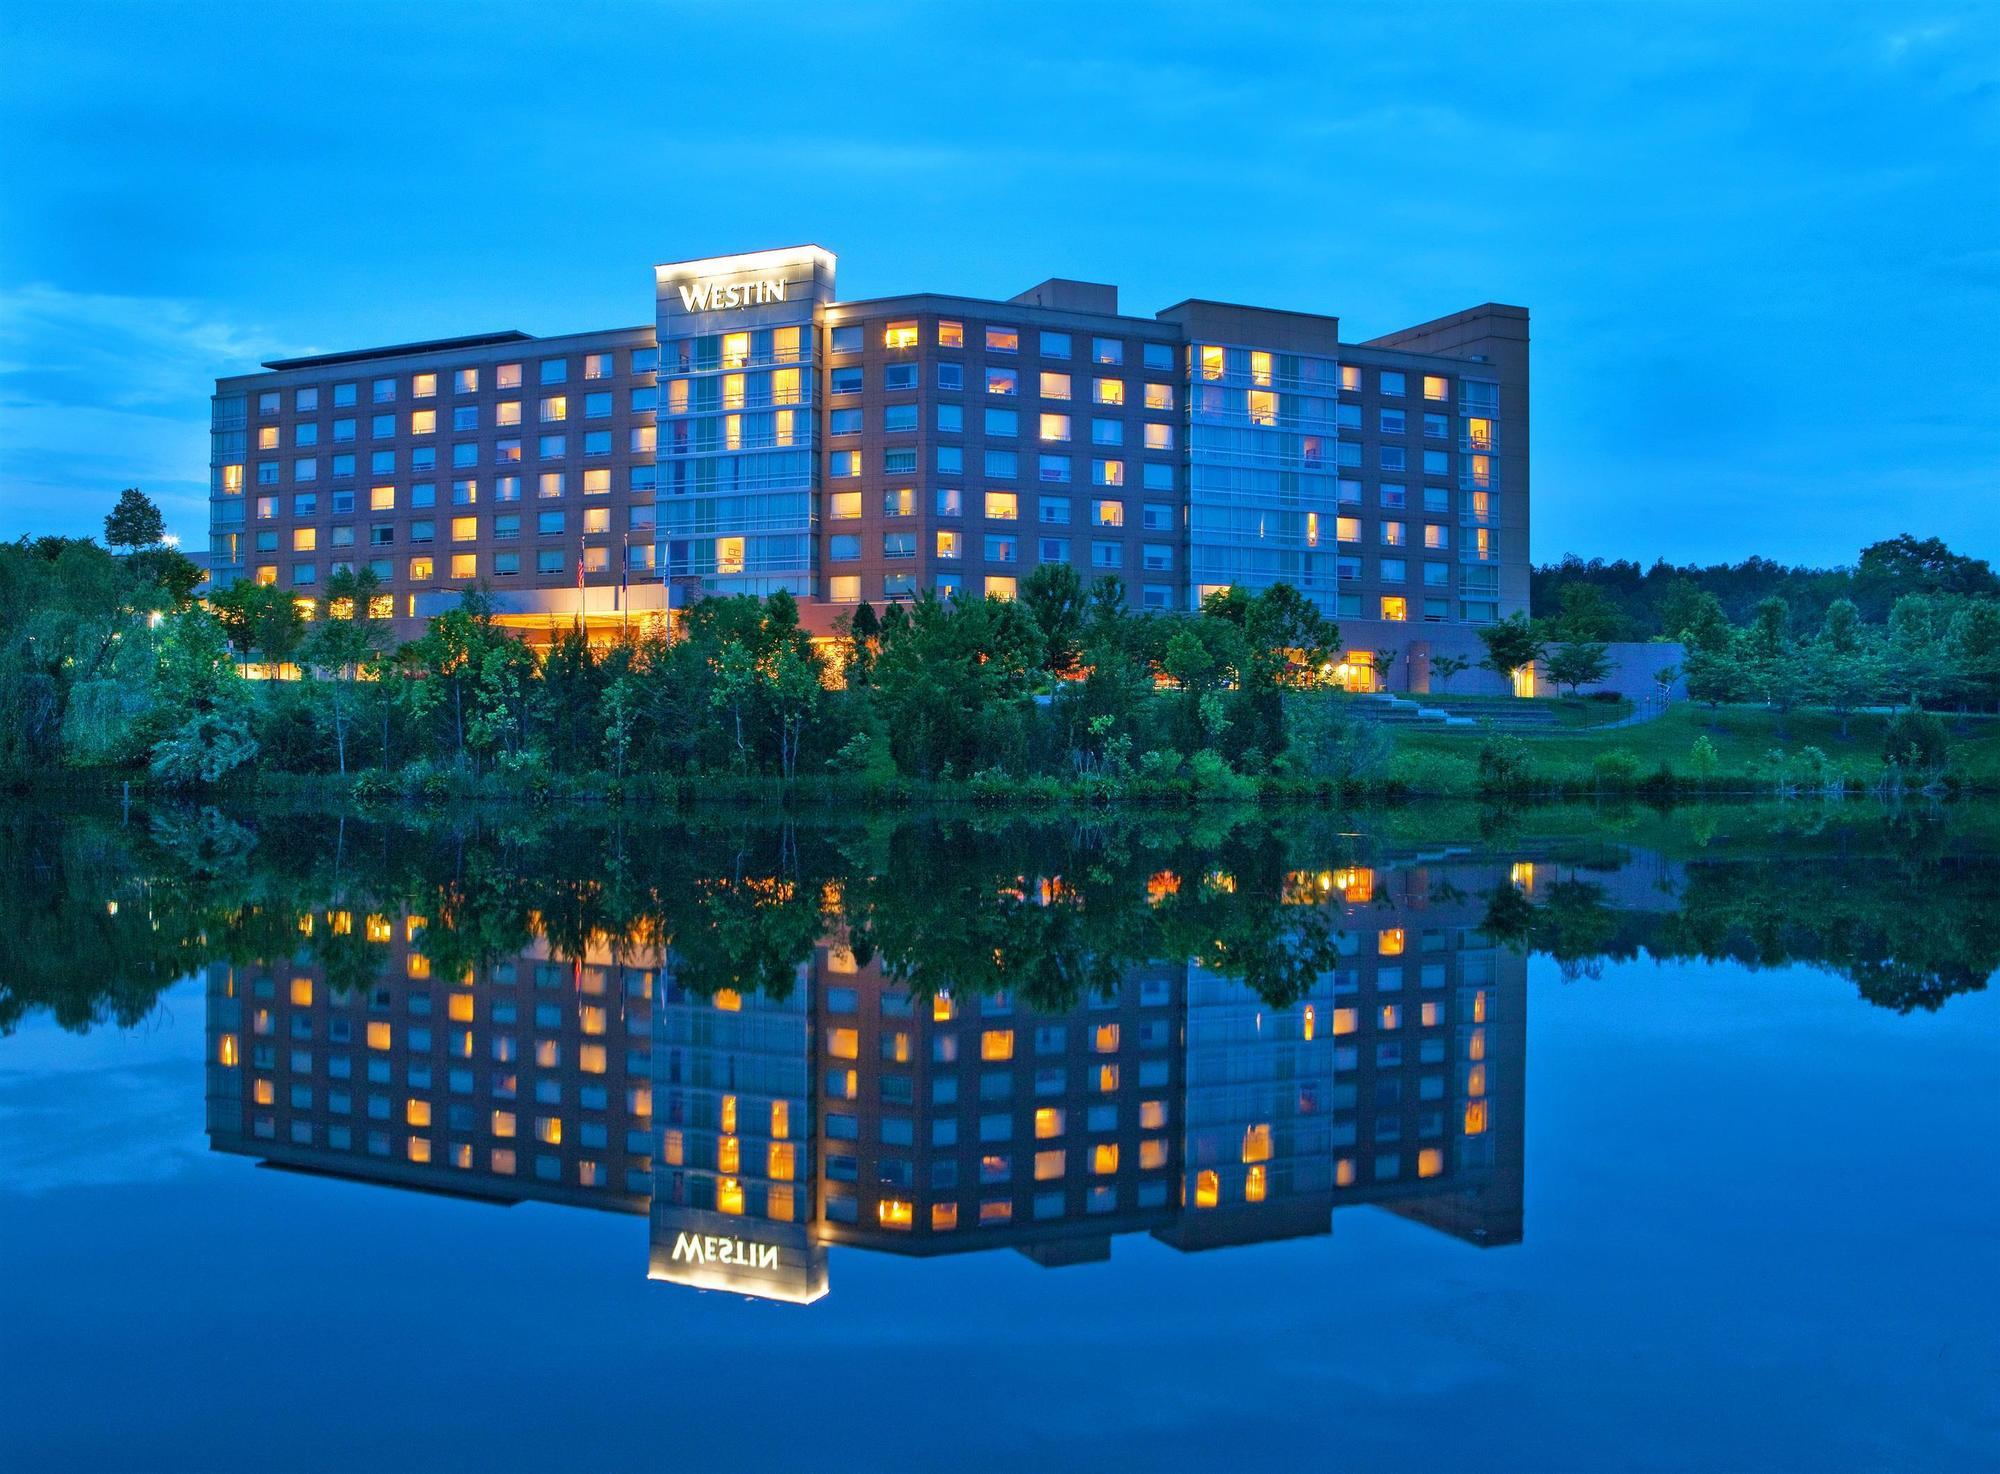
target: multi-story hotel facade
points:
(760, 434)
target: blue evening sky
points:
(1761, 246)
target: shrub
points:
(1431, 773)
(1915, 742)
(377, 786)
(1214, 778)
(1503, 763)
(1616, 769)
(1703, 759)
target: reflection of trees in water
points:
(102, 915)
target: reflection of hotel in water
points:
(759, 1131)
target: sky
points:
(1761, 245)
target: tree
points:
(796, 692)
(1891, 570)
(347, 642)
(1587, 614)
(1579, 663)
(1972, 644)
(135, 522)
(1444, 667)
(1915, 651)
(1511, 645)
(1844, 664)
(1716, 673)
(1055, 595)
(261, 619)
(1380, 663)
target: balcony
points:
(1471, 553)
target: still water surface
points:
(1424, 1139)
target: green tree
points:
(1587, 615)
(262, 619)
(1055, 595)
(135, 522)
(1579, 663)
(347, 644)
(1444, 667)
(1972, 645)
(1512, 644)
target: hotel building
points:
(760, 434)
(756, 1132)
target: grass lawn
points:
(1742, 735)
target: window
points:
(847, 339)
(1055, 428)
(1002, 506)
(1108, 391)
(1158, 558)
(1002, 423)
(897, 418)
(1053, 468)
(1001, 586)
(1107, 473)
(1159, 396)
(1054, 510)
(1107, 513)
(844, 463)
(1055, 386)
(950, 334)
(1159, 437)
(549, 524)
(1003, 340)
(844, 506)
(949, 543)
(1107, 432)
(1003, 381)
(550, 484)
(844, 588)
(900, 502)
(1156, 517)
(555, 370)
(1001, 548)
(1054, 550)
(951, 376)
(899, 545)
(1392, 384)
(1004, 464)
(899, 376)
(343, 396)
(1055, 345)
(1107, 554)
(383, 391)
(950, 501)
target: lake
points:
(1562, 1138)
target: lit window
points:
(1049, 1165)
(379, 1035)
(1048, 1122)
(1390, 941)
(944, 1216)
(900, 335)
(1395, 608)
(843, 1043)
(1436, 387)
(996, 1044)
(893, 1213)
(1253, 1185)
(951, 335)
(423, 386)
(1430, 1162)
(1003, 506)
(1001, 586)
(1207, 1188)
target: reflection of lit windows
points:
(1343, 1172)
(1049, 1165)
(1107, 1078)
(503, 1124)
(379, 1035)
(996, 1044)
(1475, 1117)
(1152, 1115)
(1389, 942)
(729, 1196)
(1257, 1142)
(781, 1161)
(996, 1210)
(944, 1216)
(1104, 1158)
(1048, 1122)
(1207, 1189)
(1253, 1185)
(843, 1043)
(502, 1161)
(1430, 1162)
(781, 1120)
